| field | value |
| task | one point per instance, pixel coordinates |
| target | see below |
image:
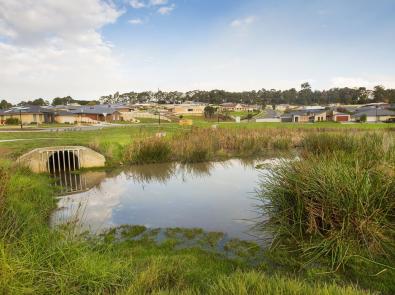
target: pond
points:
(215, 196)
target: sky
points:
(89, 48)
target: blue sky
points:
(101, 47)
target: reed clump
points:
(147, 150)
(338, 200)
(203, 144)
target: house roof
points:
(373, 112)
(96, 109)
(305, 112)
(29, 109)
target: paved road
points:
(24, 139)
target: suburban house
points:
(236, 107)
(338, 117)
(28, 115)
(98, 113)
(374, 115)
(305, 116)
(187, 109)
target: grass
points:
(204, 144)
(336, 205)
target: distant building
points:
(374, 115)
(187, 109)
(236, 107)
(28, 115)
(305, 116)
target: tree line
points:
(304, 96)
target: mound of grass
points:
(337, 204)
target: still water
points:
(216, 196)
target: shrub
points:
(12, 121)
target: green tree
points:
(39, 102)
(5, 105)
(209, 111)
(379, 93)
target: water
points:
(215, 196)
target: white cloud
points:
(137, 4)
(136, 21)
(52, 48)
(158, 2)
(242, 22)
(166, 9)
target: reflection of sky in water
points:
(215, 197)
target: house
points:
(374, 115)
(28, 115)
(305, 116)
(187, 109)
(236, 107)
(96, 113)
(339, 117)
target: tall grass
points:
(338, 201)
(203, 144)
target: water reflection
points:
(216, 196)
(71, 183)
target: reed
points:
(204, 144)
(337, 201)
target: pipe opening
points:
(63, 161)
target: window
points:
(34, 118)
(190, 110)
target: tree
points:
(363, 118)
(305, 94)
(39, 102)
(209, 111)
(5, 105)
(62, 100)
(379, 94)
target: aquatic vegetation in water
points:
(131, 231)
(242, 248)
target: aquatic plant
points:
(147, 150)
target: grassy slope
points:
(37, 260)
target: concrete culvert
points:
(62, 158)
(63, 161)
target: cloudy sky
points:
(88, 48)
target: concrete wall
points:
(37, 159)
